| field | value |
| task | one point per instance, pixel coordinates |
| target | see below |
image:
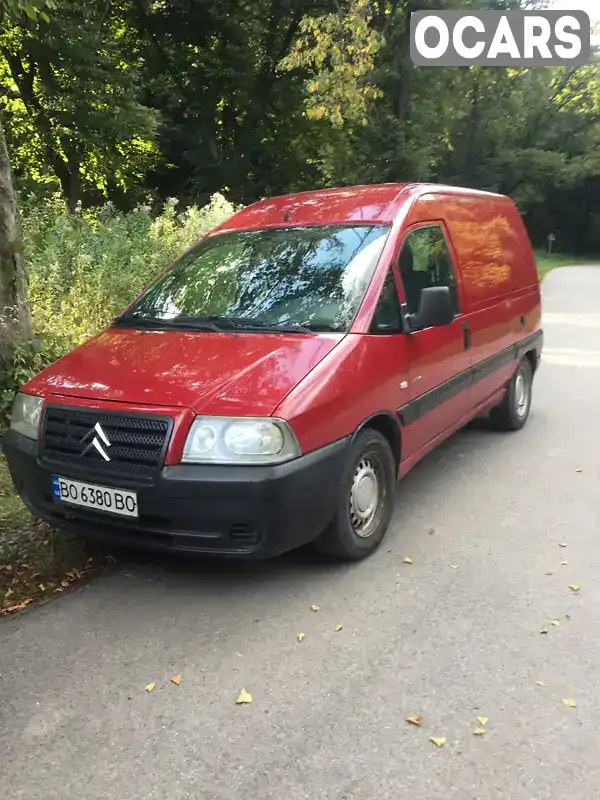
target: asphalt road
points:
(328, 716)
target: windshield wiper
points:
(158, 323)
(217, 323)
(322, 327)
(261, 324)
(249, 323)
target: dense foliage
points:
(84, 269)
(127, 99)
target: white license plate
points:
(90, 495)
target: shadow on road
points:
(413, 492)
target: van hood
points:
(211, 373)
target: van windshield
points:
(297, 279)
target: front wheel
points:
(513, 411)
(366, 499)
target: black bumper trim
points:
(257, 511)
(427, 402)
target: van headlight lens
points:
(243, 440)
(25, 416)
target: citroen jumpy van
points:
(271, 387)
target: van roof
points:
(378, 203)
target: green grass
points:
(547, 263)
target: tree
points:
(73, 93)
(15, 325)
(126, 99)
(228, 117)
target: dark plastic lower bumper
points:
(257, 511)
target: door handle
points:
(466, 335)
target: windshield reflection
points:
(311, 278)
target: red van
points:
(270, 388)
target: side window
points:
(387, 318)
(425, 261)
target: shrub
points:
(84, 269)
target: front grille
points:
(137, 442)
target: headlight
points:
(25, 417)
(243, 440)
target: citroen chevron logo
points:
(96, 441)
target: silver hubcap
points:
(364, 497)
(521, 395)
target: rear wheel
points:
(513, 411)
(366, 499)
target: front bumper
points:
(258, 511)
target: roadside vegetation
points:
(83, 269)
(546, 263)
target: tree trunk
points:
(15, 325)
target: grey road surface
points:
(453, 636)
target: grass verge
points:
(36, 561)
(546, 263)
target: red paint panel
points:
(435, 355)
(354, 204)
(213, 373)
(358, 379)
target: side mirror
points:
(435, 309)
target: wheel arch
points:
(387, 425)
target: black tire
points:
(350, 537)
(511, 414)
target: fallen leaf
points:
(564, 563)
(338, 628)
(301, 636)
(569, 703)
(149, 687)
(314, 608)
(482, 720)
(437, 742)
(556, 623)
(407, 560)
(432, 531)
(574, 587)
(562, 544)
(42, 587)
(18, 606)
(479, 731)
(540, 683)
(579, 470)
(414, 720)
(453, 566)
(245, 697)
(176, 679)
(544, 630)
